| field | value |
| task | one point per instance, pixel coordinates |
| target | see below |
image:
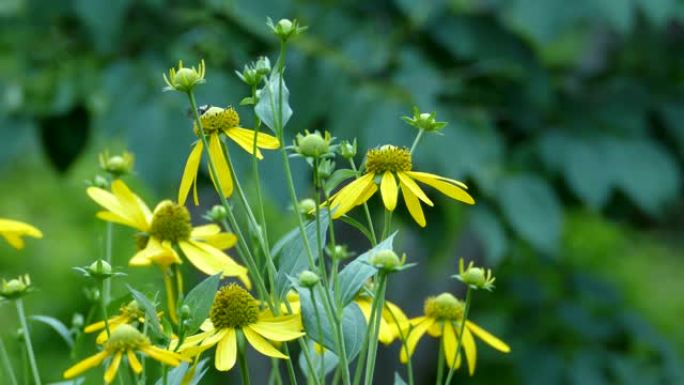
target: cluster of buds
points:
(284, 29)
(184, 79)
(253, 73)
(15, 288)
(424, 121)
(116, 165)
(475, 277)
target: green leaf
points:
(267, 108)
(199, 300)
(398, 380)
(57, 326)
(358, 225)
(150, 311)
(177, 375)
(328, 359)
(338, 177)
(357, 272)
(353, 323)
(291, 253)
(532, 208)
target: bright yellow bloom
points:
(384, 166)
(12, 231)
(236, 311)
(442, 319)
(168, 226)
(214, 121)
(125, 340)
(130, 313)
(392, 318)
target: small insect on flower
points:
(125, 340)
(168, 227)
(234, 312)
(13, 231)
(214, 121)
(443, 317)
(384, 166)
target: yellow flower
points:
(128, 314)
(168, 226)
(392, 319)
(384, 166)
(214, 121)
(442, 319)
(125, 340)
(12, 231)
(236, 311)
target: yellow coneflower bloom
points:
(214, 121)
(384, 166)
(129, 313)
(125, 340)
(442, 319)
(236, 311)
(392, 319)
(168, 226)
(13, 230)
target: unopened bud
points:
(308, 278)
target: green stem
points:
(415, 141)
(378, 305)
(388, 224)
(107, 291)
(7, 363)
(374, 241)
(242, 359)
(255, 169)
(440, 359)
(468, 300)
(404, 345)
(103, 305)
(27, 341)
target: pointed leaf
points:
(199, 300)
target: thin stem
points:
(415, 141)
(242, 359)
(274, 377)
(7, 363)
(374, 240)
(27, 341)
(290, 366)
(388, 224)
(103, 305)
(107, 292)
(404, 345)
(468, 300)
(170, 296)
(255, 169)
(440, 359)
(378, 305)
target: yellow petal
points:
(366, 194)
(413, 205)
(434, 176)
(414, 336)
(261, 345)
(345, 199)
(136, 208)
(155, 252)
(450, 189)
(212, 235)
(245, 138)
(190, 173)
(226, 351)
(134, 363)
(409, 183)
(470, 350)
(211, 260)
(113, 368)
(163, 356)
(450, 343)
(281, 328)
(101, 324)
(221, 166)
(86, 364)
(395, 318)
(365, 306)
(9, 225)
(389, 191)
(488, 338)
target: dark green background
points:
(566, 119)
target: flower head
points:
(125, 340)
(184, 79)
(443, 318)
(13, 231)
(129, 314)
(475, 277)
(164, 230)
(15, 288)
(235, 311)
(214, 121)
(385, 166)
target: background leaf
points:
(199, 300)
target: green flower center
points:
(388, 158)
(171, 222)
(444, 307)
(125, 337)
(233, 308)
(217, 118)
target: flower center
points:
(125, 337)
(388, 158)
(444, 307)
(171, 222)
(217, 118)
(233, 308)
(132, 311)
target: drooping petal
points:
(281, 328)
(226, 351)
(434, 176)
(261, 345)
(347, 197)
(163, 356)
(156, 252)
(395, 318)
(211, 260)
(221, 165)
(189, 179)
(414, 336)
(245, 139)
(470, 350)
(413, 205)
(450, 189)
(488, 338)
(389, 191)
(366, 194)
(13, 230)
(14, 240)
(406, 181)
(133, 204)
(212, 235)
(117, 319)
(449, 336)
(85, 364)
(113, 368)
(134, 363)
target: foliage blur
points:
(566, 118)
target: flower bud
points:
(15, 288)
(306, 206)
(185, 312)
(184, 79)
(308, 278)
(386, 260)
(100, 269)
(339, 252)
(475, 277)
(424, 121)
(312, 145)
(217, 214)
(263, 66)
(77, 321)
(285, 28)
(116, 165)
(325, 169)
(347, 149)
(100, 181)
(249, 75)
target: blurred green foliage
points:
(566, 118)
